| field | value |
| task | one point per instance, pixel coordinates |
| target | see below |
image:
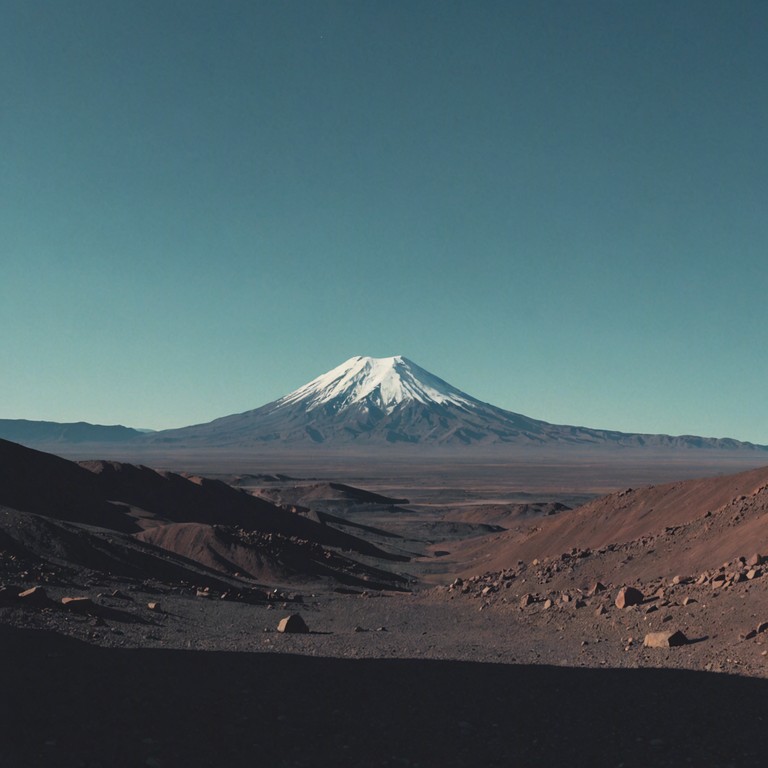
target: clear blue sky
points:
(559, 207)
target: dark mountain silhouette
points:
(27, 432)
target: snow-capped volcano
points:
(384, 383)
(374, 401)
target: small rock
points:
(601, 611)
(153, 606)
(629, 596)
(665, 639)
(78, 604)
(293, 624)
(753, 573)
(689, 600)
(526, 600)
(547, 604)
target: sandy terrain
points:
(445, 629)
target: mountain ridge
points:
(393, 401)
(364, 402)
(26, 431)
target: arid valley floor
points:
(460, 613)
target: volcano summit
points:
(391, 400)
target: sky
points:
(559, 207)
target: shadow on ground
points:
(65, 703)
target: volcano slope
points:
(508, 652)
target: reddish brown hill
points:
(40, 548)
(158, 498)
(695, 523)
(266, 557)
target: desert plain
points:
(457, 611)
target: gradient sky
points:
(559, 207)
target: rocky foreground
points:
(150, 676)
(171, 640)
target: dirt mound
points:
(501, 514)
(265, 556)
(208, 545)
(38, 548)
(327, 495)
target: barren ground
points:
(440, 675)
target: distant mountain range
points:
(367, 402)
(47, 432)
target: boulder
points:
(755, 560)
(596, 588)
(629, 596)
(665, 639)
(293, 624)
